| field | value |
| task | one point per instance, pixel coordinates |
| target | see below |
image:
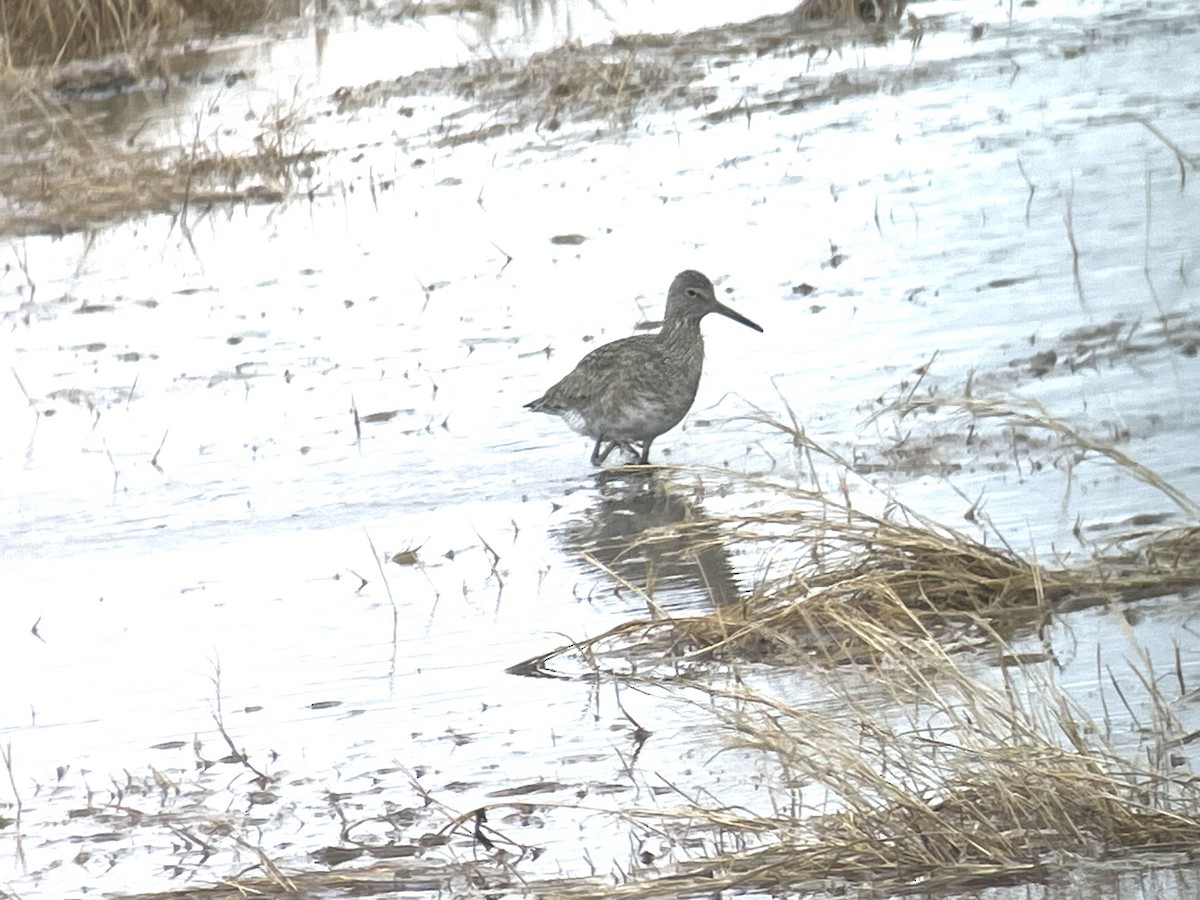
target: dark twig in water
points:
(268, 865)
(1030, 185)
(1182, 158)
(112, 462)
(477, 833)
(1162, 313)
(154, 458)
(23, 264)
(495, 562)
(184, 228)
(1179, 672)
(922, 371)
(1070, 223)
(190, 839)
(21, 385)
(335, 803)
(507, 256)
(219, 718)
(1129, 710)
(12, 781)
(640, 735)
(388, 588)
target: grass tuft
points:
(51, 32)
(844, 11)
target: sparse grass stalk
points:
(1029, 413)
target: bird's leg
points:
(598, 458)
(630, 448)
(645, 457)
(638, 456)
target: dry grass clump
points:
(567, 85)
(925, 777)
(962, 785)
(70, 183)
(853, 581)
(611, 84)
(575, 84)
(83, 196)
(850, 579)
(222, 14)
(848, 574)
(843, 11)
(49, 32)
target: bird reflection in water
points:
(653, 535)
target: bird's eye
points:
(692, 292)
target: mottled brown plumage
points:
(632, 390)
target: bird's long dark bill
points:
(736, 316)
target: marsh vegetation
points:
(934, 773)
(794, 672)
(53, 32)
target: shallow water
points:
(189, 513)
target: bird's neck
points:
(681, 330)
(683, 341)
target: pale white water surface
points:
(419, 279)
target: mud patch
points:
(607, 85)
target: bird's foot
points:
(636, 456)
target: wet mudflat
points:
(276, 523)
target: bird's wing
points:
(597, 375)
